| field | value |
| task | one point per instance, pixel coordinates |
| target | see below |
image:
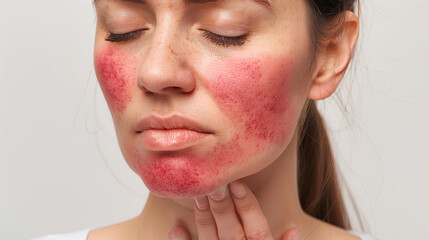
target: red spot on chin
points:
(185, 174)
(117, 75)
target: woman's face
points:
(246, 92)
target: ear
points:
(332, 62)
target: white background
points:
(57, 141)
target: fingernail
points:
(219, 194)
(202, 203)
(237, 189)
(297, 235)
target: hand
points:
(216, 217)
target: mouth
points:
(170, 133)
(170, 139)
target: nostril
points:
(175, 88)
(141, 87)
(170, 89)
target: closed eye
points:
(219, 40)
(225, 41)
(114, 37)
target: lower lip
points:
(170, 139)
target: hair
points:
(319, 189)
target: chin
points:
(180, 175)
(187, 177)
(175, 181)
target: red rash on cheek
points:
(117, 75)
(254, 93)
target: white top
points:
(83, 234)
(80, 235)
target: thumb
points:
(178, 233)
(292, 234)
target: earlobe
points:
(332, 62)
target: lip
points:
(170, 133)
(170, 122)
(170, 140)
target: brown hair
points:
(319, 189)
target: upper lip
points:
(170, 122)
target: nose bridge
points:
(166, 33)
(163, 64)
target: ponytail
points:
(318, 187)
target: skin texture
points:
(250, 98)
(254, 92)
(116, 69)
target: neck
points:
(275, 187)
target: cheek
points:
(255, 94)
(117, 73)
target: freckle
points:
(172, 51)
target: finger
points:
(206, 225)
(178, 233)
(254, 222)
(292, 234)
(227, 222)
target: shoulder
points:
(341, 233)
(324, 230)
(78, 235)
(122, 230)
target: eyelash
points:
(114, 37)
(215, 38)
(225, 41)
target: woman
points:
(213, 103)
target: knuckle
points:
(204, 221)
(237, 236)
(222, 209)
(261, 233)
(247, 207)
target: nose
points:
(164, 67)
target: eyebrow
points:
(266, 2)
